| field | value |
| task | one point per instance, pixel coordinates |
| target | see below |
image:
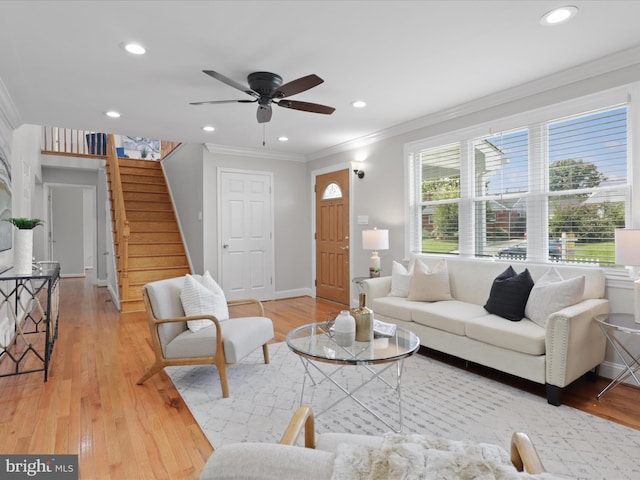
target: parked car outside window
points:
(519, 250)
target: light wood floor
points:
(92, 407)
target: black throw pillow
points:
(509, 294)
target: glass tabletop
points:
(623, 322)
(315, 341)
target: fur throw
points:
(410, 457)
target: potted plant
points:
(23, 243)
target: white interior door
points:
(246, 234)
(66, 229)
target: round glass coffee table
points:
(315, 345)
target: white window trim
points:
(628, 94)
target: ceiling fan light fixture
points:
(112, 114)
(559, 15)
(358, 104)
(208, 128)
(134, 48)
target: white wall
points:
(291, 212)
(192, 175)
(183, 171)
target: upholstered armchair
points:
(219, 341)
(328, 457)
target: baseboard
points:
(298, 292)
(612, 370)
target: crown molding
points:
(253, 152)
(604, 65)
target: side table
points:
(621, 324)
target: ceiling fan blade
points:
(297, 86)
(306, 106)
(264, 113)
(223, 101)
(231, 83)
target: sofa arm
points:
(376, 287)
(574, 342)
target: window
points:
(549, 189)
(332, 191)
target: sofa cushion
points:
(509, 294)
(552, 293)
(400, 279)
(392, 307)
(429, 284)
(523, 336)
(449, 315)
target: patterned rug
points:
(436, 398)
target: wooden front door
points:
(332, 236)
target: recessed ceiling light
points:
(283, 139)
(113, 114)
(134, 48)
(359, 104)
(208, 128)
(559, 15)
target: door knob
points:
(226, 245)
(344, 248)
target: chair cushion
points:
(241, 336)
(266, 461)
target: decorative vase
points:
(344, 329)
(364, 320)
(23, 251)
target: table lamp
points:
(628, 254)
(375, 240)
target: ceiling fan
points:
(267, 89)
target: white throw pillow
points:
(430, 285)
(208, 281)
(552, 293)
(400, 280)
(199, 300)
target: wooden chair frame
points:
(218, 359)
(524, 455)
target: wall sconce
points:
(357, 169)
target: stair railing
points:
(122, 229)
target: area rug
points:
(437, 398)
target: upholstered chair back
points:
(164, 296)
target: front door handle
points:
(344, 248)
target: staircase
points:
(148, 243)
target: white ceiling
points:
(61, 63)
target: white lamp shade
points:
(375, 239)
(628, 247)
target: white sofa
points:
(569, 346)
